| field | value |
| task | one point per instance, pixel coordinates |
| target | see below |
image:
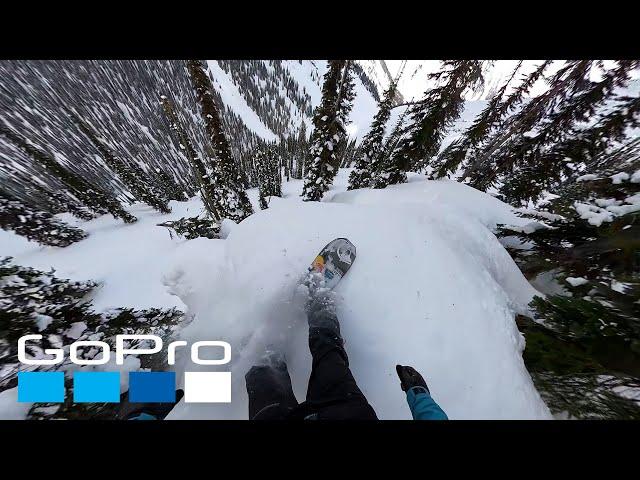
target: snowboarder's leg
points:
(270, 393)
(331, 384)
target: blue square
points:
(96, 387)
(157, 387)
(41, 387)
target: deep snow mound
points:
(431, 287)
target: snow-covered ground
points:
(431, 287)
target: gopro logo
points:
(104, 387)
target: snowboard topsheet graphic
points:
(334, 260)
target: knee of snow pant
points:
(268, 386)
(324, 340)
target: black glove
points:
(409, 378)
(158, 410)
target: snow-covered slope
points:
(431, 287)
(282, 93)
(419, 246)
(233, 98)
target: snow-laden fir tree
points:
(117, 98)
(430, 118)
(346, 97)
(98, 200)
(454, 154)
(36, 225)
(540, 160)
(382, 162)
(372, 143)
(36, 301)
(301, 150)
(198, 168)
(468, 150)
(570, 97)
(229, 195)
(573, 140)
(485, 170)
(576, 152)
(286, 154)
(172, 190)
(351, 151)
(208, 224)
(267, 170)
(288, 151)
(585, 349)
(133, 177)
(347, 94)
(193, 227)
(67, 204)
(36, 195)
(327, 132)
(35, 191)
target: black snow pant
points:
(332, 393)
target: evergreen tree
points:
(301, 149)
(469, 148)
(540, 161)
(193, 227)
(571, 381)
(592, 245)
(230, 197)
(37, 301)
(350, 153)
(383, 161)
(430, 119)
(286, 155)
(328, 130)
(499, 154)
(583, 351)
(70, 205)
(117, 99)
(454, 154)
(36, 225)
(171, 189)
(347, 94)
(576, 152)
(268, 173)
(132, 175)
(34, 191)
(93, 197)
(361, 176)
(345, 100)
(199, 170)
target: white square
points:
(207, 387)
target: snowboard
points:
(334, 261)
